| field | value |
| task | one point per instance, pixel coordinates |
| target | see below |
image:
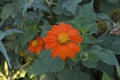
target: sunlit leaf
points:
(106, 77)
(118, 70)
(48, 76)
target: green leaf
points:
(92, 61)
(107, 7)
(45, 28)
(118, 70)
(72, 62)
(45, 63)
(47, 76)
(113, 1)
(89, 39)
(75, 24)
(91, 28)
(7, 11)
(74, 74)
(106, 56)
(25, 7)
(103, 16)
(40, 4)
(14, 59)
(8, 32)
(89, 64)
(103, 67)
(106, 77)
(59, 9)
(86, 14)
(110, 40)
(1, 23)
(116, 46)
(30, 32)
(71, 5)
(4, 52)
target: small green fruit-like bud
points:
(84, 56)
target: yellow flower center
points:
(35, 43)
(63, 38)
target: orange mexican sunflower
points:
(63, 40)
(35, 45)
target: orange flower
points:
(35, 45)
(63, 40)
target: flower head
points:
(35, 45)
(63, 40)
(22, 53)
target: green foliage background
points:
(23, 20)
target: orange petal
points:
(50, 32)
(50, 38)
(71, 53)
(56, 29)
(36, 50)
(55, 51)
(69, 27)
(73, 32)
(63, 27)
(41, 43)
(50, 45)
(73, 46)
(38, 38)
(63, 52)
(30, 48)
(33, 50)
(77, 39)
